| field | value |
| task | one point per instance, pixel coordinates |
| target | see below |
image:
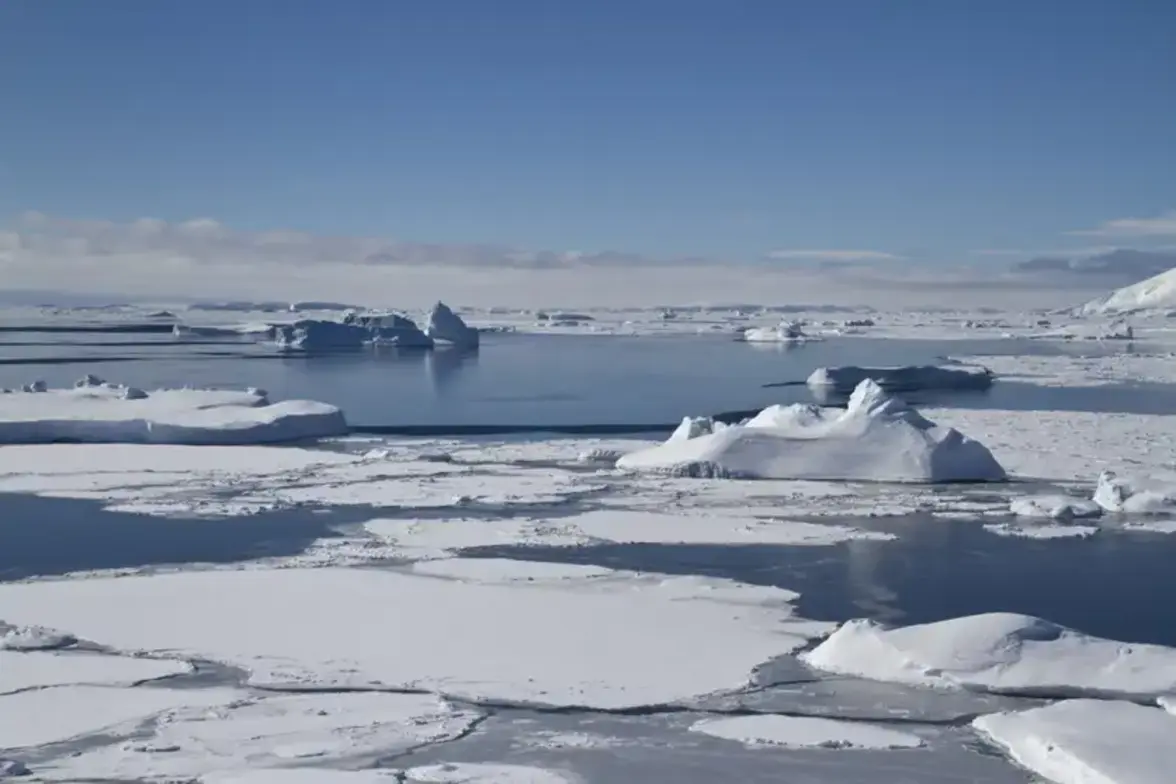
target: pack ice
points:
(876, 438)
(95, 411)
(1003, 653)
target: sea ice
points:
(1088, 741)
(1002, 653)
(843, 380)
(1136, 495)
(877, 438)
(503, 570)
(1042, 530)
(245, 732)
(1054, 507)
(355, 331)
(303, 776)
(484, 773)
(605, 643)
(803, 732)
(167, 416)
(36, 670)
(445, 325)
(31, 638)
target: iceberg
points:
(1001, 653)
(905, 378)
(1155, 293)
(112, 414)
(785, 332)
(353, 332)
(1087, 741)
(876, 438)
(445, 325)
(1135, 495)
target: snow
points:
(354, 332)
(167, 416)
(606, 643)
(483, 773)
(785, 332)
(802, 732)
(31, 638)
(1136, 495)
(1002, 653)
(1088, 741)
(244, 732)
(877, 438)
(907, 378)
(35, 670)
(1054, 507)
(445, 325)
(40, 716)
(1157, 292)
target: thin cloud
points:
(803, 254)
(1163, 225)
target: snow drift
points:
(906, 378)
(1155, 293)
(877, 438)
(1002, 653)
(98, 412)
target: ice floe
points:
(1002, 653)
(446, 326)
(486, 773)
(1055, 506)
(803, 732)
(1088, 741)
(106, 413)
(36, 670)
(844, 379)
(1137, 494)
(244, 732)
(551, 642)
(877, 438)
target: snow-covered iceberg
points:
(1136, 495)
(785, 332)
(876, 438)
(1088, 741)
(1156, 293)
(910, 377)
(446, 326)
(353, 332)
(1002, 653)
(104, 413)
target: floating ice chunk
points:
(1088, 741)
(1001, 653)
(1054, 507)
(354, 332)
(89, 380)
(802, 732)
(605, 643)
(109, 414)
(32, 638)
(1040, 531)
(35, 386)
(785, 332)
(244, 732)
(482, 773)
(1135, 495)
(877, 438)
(905, 378)
(445, 325)
(10, 768)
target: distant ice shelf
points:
(97, 412)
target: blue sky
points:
(723, 128)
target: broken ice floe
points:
(804, 732)
(877, 438)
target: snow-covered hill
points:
(1157, 292)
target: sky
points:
(733, 130)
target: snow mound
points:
(910, 377)
(877, 438)
(803, 732)
(1088, 741)
(445, 325)
(1135, 495)
(1002, 653)
(1054, 507)
(785, 332)
(111, 414)
(353, 332)
(1155, 293)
